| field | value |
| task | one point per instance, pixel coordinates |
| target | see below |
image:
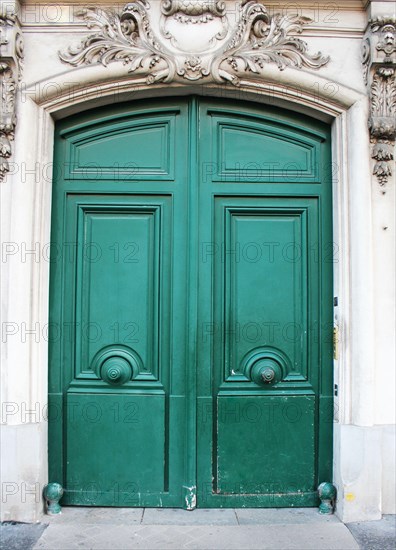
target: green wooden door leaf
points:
(191, 306)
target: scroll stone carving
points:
(379, 66)
(11, 55)
(257, 38)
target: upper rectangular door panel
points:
(135, 147)
(266, 278)
(258, 149)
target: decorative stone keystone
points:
(327, 494)
(53, 492)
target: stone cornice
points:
(344, 5)
(11, 55)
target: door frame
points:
(295, 90)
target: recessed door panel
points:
(263, 272)
(253, 149)
(122, 279)
(111, 460)
(136, 146)
(266, 445)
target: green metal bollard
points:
(327, 494)
(53, 492)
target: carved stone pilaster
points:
(379, 65)
(11, 55)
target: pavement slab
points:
(80, 528)
(20, 536)
(202, 529)
(375, 535)
(326, 536)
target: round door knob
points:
(266, 372)
(267, 367)
(268, 375)
(116, 371)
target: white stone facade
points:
(364, 213)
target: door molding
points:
(58, 97)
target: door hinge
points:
(336, 341)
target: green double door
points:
(191, 306)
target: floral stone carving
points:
(379, 65)
(11, 55)
(256, 39)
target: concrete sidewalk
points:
(202, 529)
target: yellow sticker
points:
(349, 497)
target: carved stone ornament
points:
(193, 11)
(238, 40)
(11, 54)
(379, 65)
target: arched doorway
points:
(191, 306)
